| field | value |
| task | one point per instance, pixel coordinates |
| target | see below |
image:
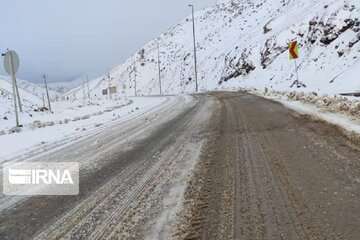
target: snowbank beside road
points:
(64, 113)
(350, 125)
(83, 121)
(343, 112)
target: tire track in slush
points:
(262, 165)
(44, 210)
(113, 210)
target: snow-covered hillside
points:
(82, 91)
(32, 88)
(31, 96)
(63, 87)
(29, 99)
(243, 43)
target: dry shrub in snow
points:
(291, 95)
(355, 108)
(324, 101)
(330, 103)
(36, 124)
(300, 96)
(342, 107)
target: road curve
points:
(269, 173)
(223, 166)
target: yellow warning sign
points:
(294, 50)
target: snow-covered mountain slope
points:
(63, 112)
(31, 96)
(29, 99)
(32, 88)
(63, 87)
(243, 43)
(94, 89)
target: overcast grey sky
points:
(69, 38)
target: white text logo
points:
(40, 176)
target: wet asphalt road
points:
(269, 173)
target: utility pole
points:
(43, 100)
(47, 93)
(194, 37)
(130, 71)
(83, 90)
(109, 86)
(135, 78)
(88, 87)
(14, 89)
(158, 48)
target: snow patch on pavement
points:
(174, 200)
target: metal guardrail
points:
(354, 94)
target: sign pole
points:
(296, 70)
(14, 88)
(294, 54)
(11, 57)
(18, 96)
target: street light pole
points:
(88, 88)
(194, 37)
(135, 76)
(158, 48)
(47, 93)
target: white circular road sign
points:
(11, 62)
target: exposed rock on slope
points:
(244, 44)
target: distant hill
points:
(28, 92)
(63, 87)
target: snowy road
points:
(269, 173)
(131, 174)
(221, 166)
